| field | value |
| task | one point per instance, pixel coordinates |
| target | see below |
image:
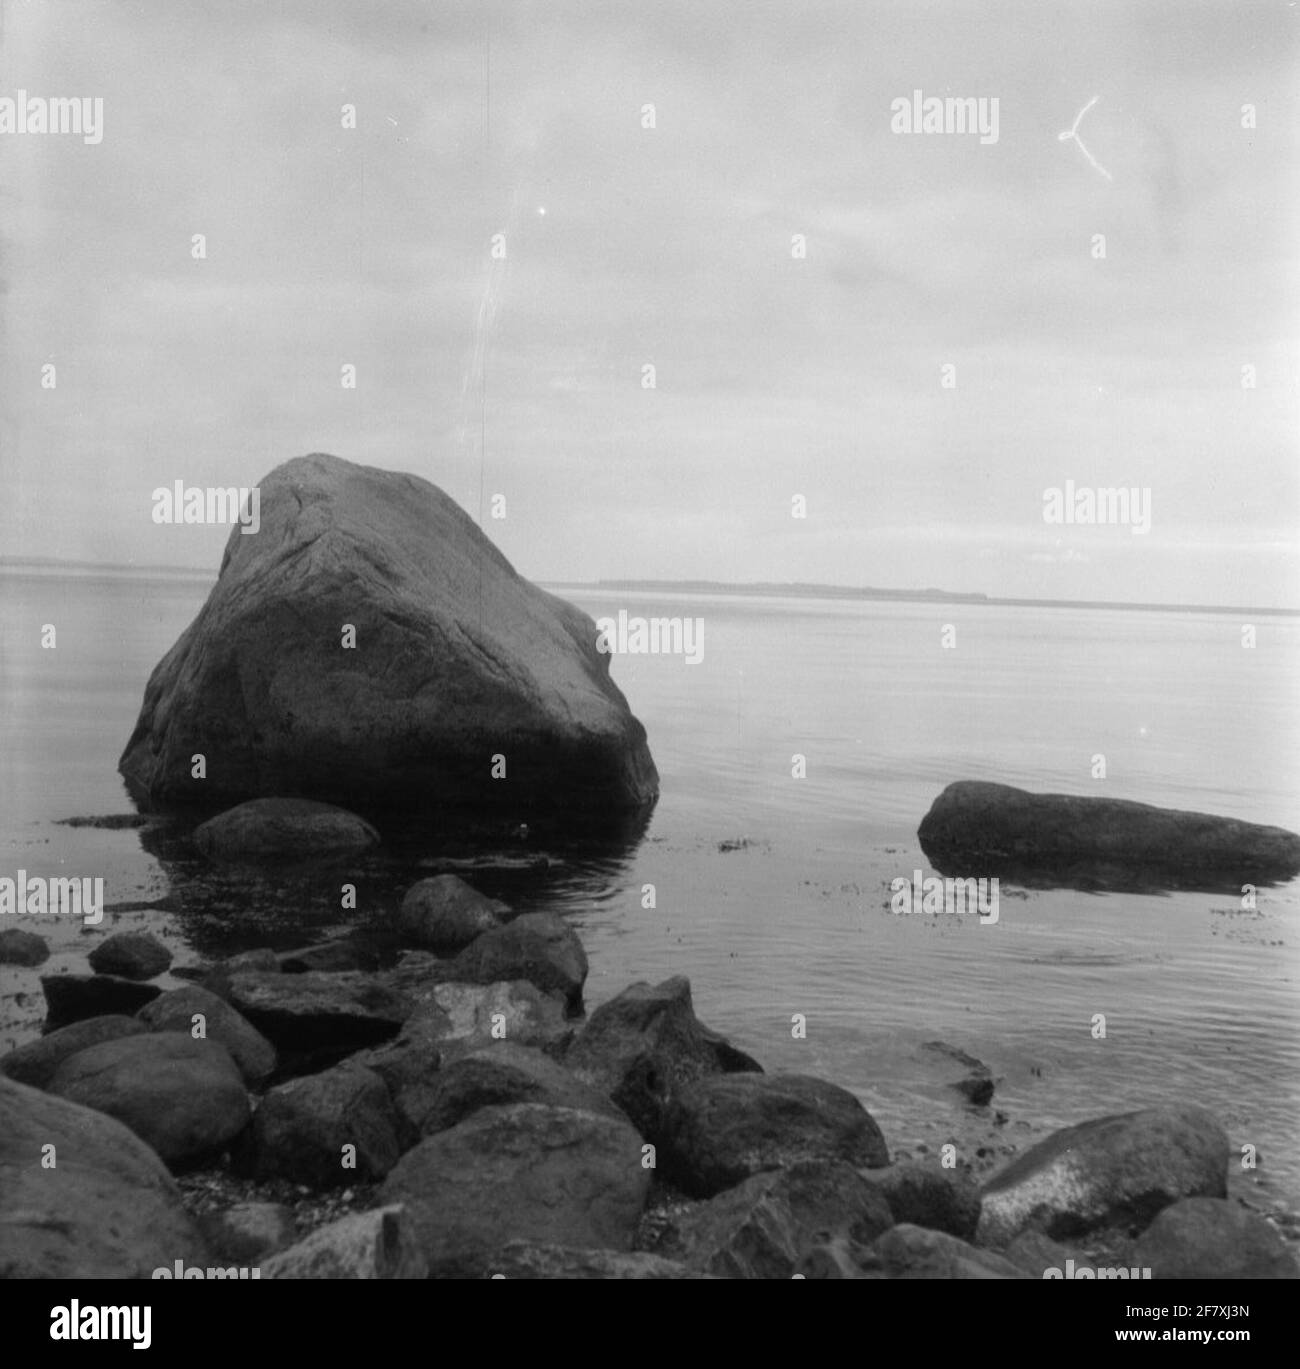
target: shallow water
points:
(1199, 997)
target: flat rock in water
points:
(36, 1062)
(1117, 1171)
(18, 947)
(525, 1172)
(294, 828)
(184, 1010)
(454, 654)
(767, 1226)
(108, 1209)
(645, 1045)
(183, 1097)
(75, 997)
(445, 914)
(317, 1012)
(539, 947)
(367, 1245)
(724, 1129)
(975, 829)
(1210, 1238)
(301, 1129)
(133, 955)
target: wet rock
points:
(132, 955)
(925, 1195)
(539, 947)
(724, 1129)
(304, 1130)
(75, 997)
(182, 1010)
(317, 1012)
(769, 1225)
(367, 1245)
(185, 1098)
(524, 1172)
(35, 1063)
(18, 947)
(108, 1209)
(458, 659)
(446, 914)
(1210, 1238)
(296, 828)
(1117, 1171)
(645, 1045)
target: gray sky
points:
(672, 246)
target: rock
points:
(316, 1012)
(446, 914)
(132, 955)
(367, 1245)
(766, 1226)
(975, 1083)
(458, 659)
(75, 997)
(246, 1232)
(1036, 1254)
(108, 1209)
(539, 947)
(34, 1064)
(22, 948)
(987, 829)
(724, 1129)
(185, 1098)
(529, 1260)
(283, 827)
(925, 1195)
(176, 1011)
(646, 1044)
(263, 959)
(1114, 1171)
(911, 1252)
(840, 1258)
(329, 957)
(525, 1172)
(500, 1074)
(301, 1128)
(1209, 1238)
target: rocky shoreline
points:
(446, 1108)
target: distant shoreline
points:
(794, 590)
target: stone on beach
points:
(36, 1062)
(18, 947)
(318, 1011)
(379, 1244)
(75, 997)
(132, 955)
(452, 659)
(539, 947)
(185, 1010)
(443, 913)
(1210, 1238)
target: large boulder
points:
(1113, 1172)
(457, 660)
(724, 1129)
(524, 1172)
(74, 997)
(106, 1209)
(767, 1226)
(643, 1046)
(366, 1245)
(979, 829)
(925, 1195)
(1209, 1238)
(185, 1098)
(539, 947)
(133, 955)
(36, 1062)
(301, 1129)
(187, 1009)
(445, 914)
(318, 1011)
(283, 827)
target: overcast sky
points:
(671, 246)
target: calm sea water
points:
(1199, 997)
